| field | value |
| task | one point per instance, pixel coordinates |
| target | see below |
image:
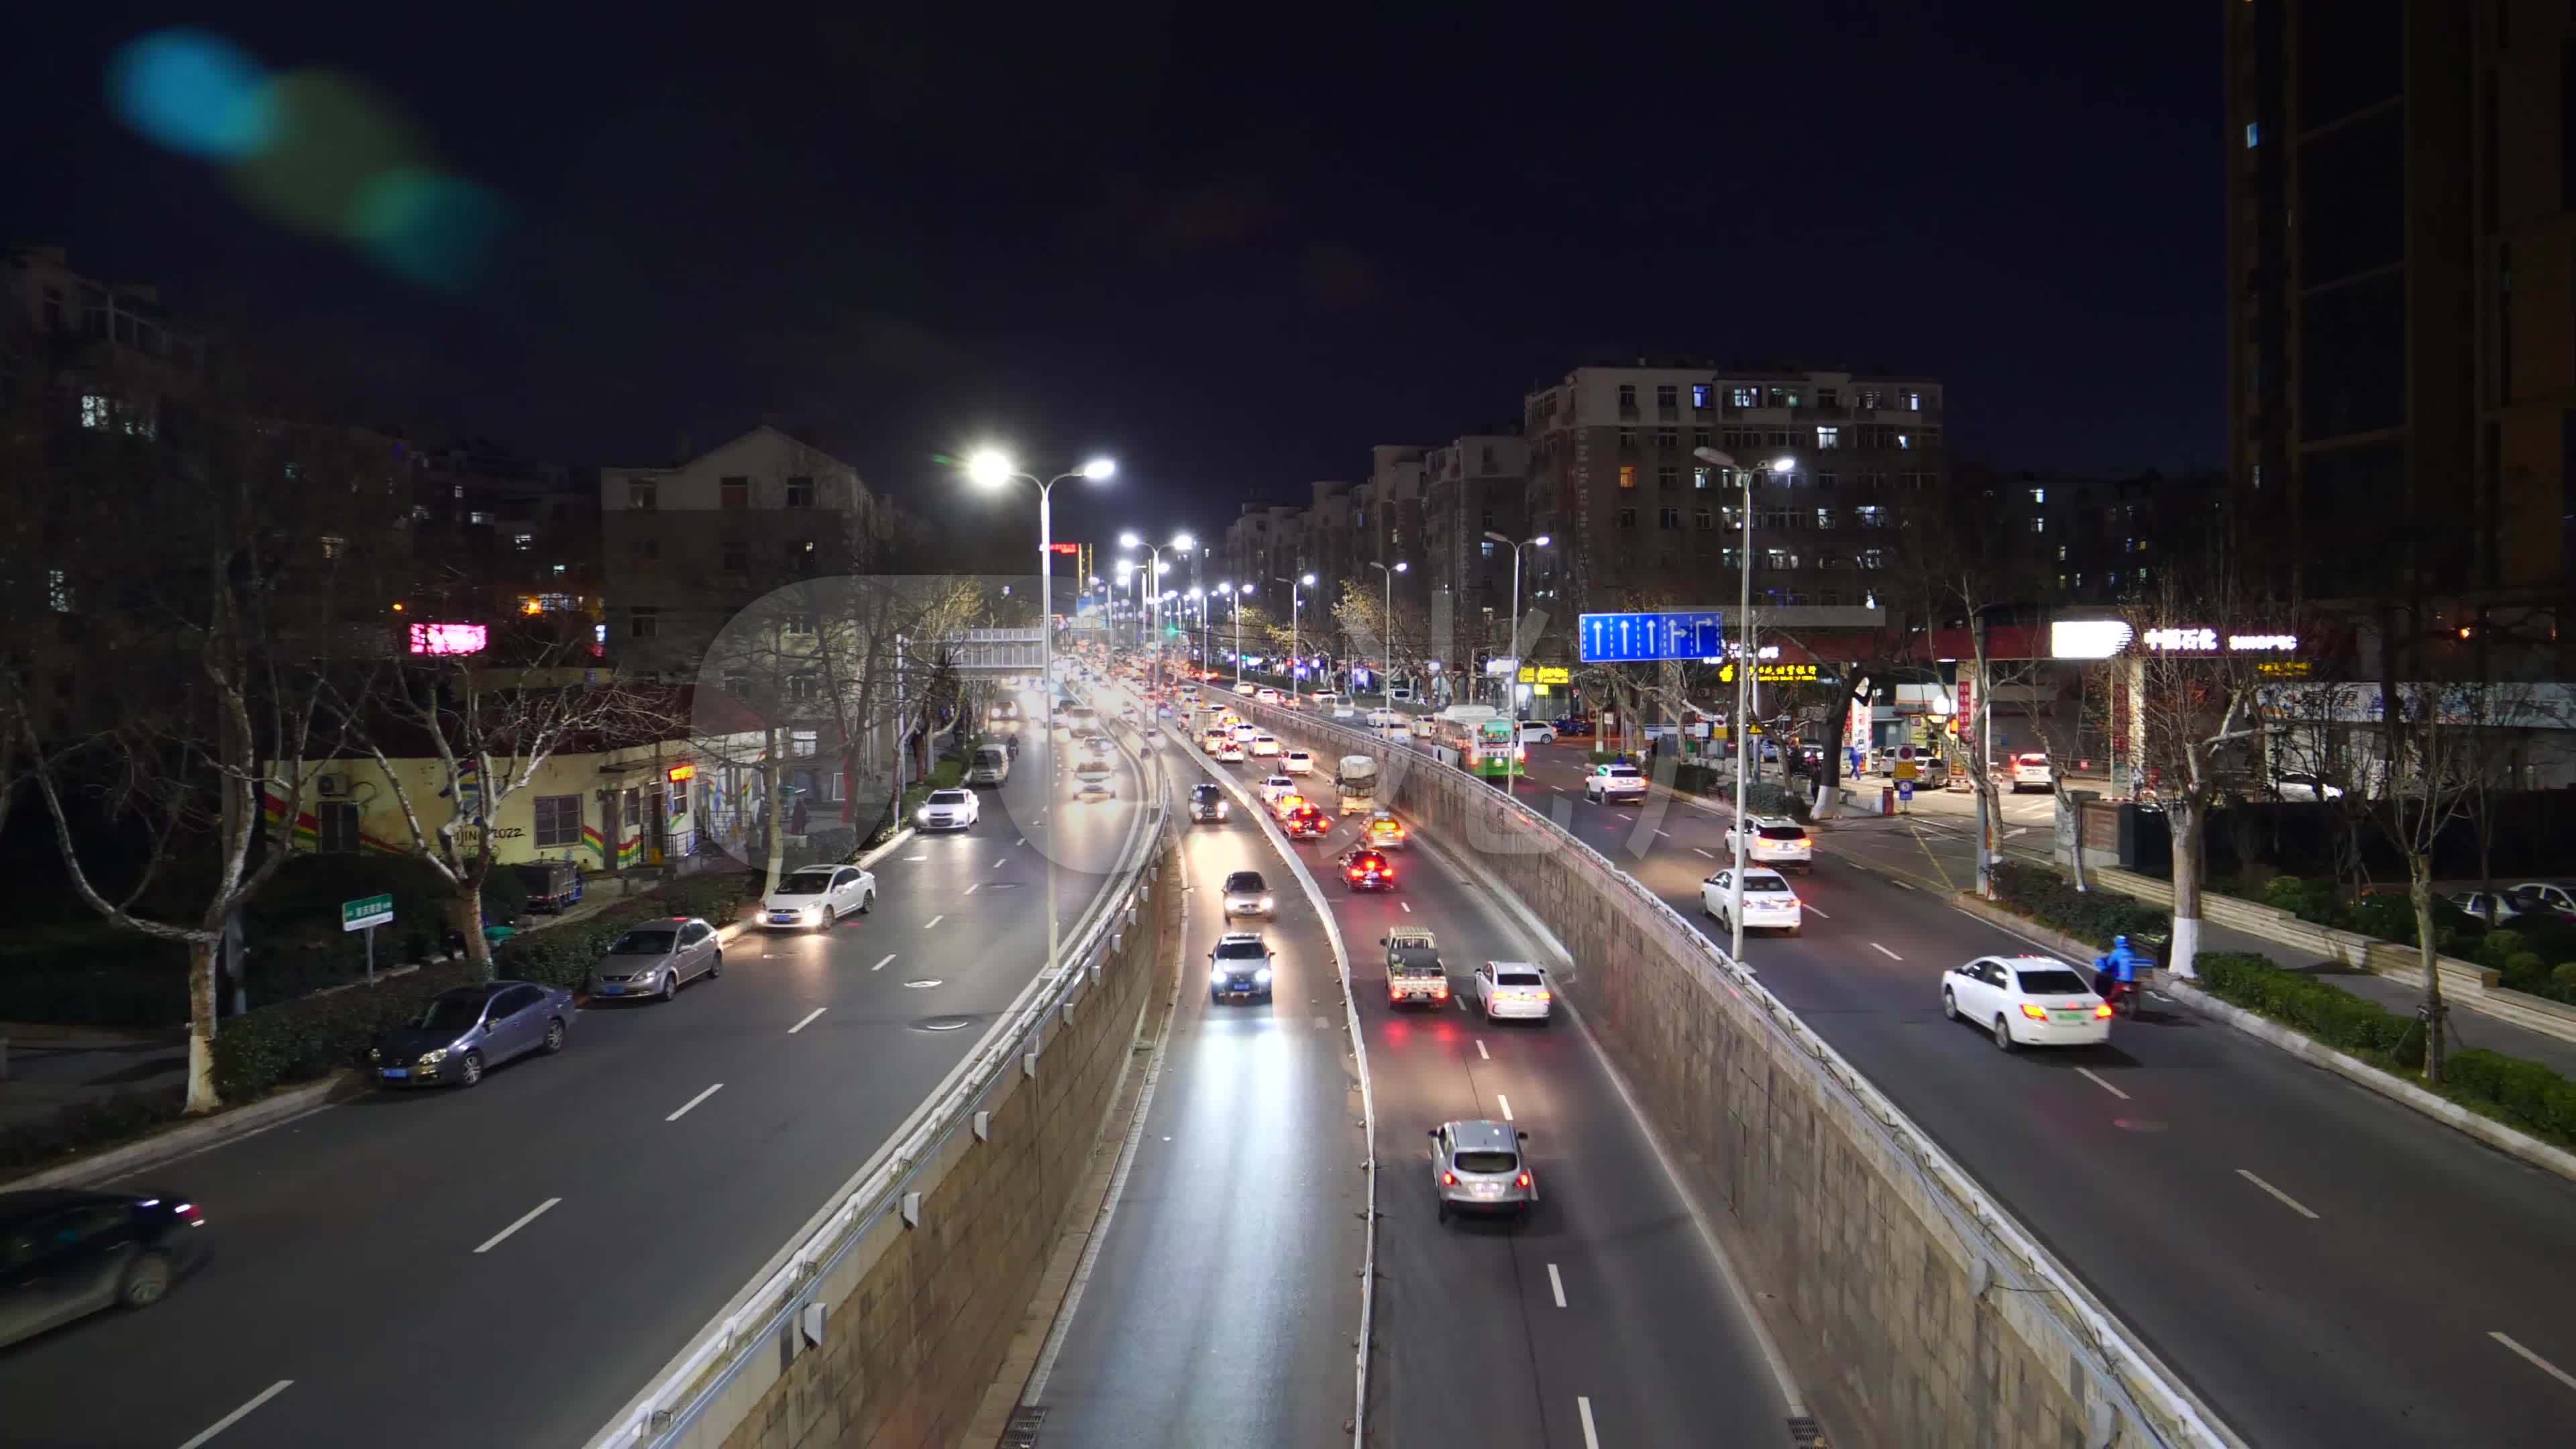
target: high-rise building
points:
(2402, 294)
(1476, 485)
(1640, 521)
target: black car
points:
(1207, 802)
(67, 1254)
(467, 1030)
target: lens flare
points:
(194, 92)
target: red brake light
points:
(2035, 1013)
(2103, 1010)
(1440, 992)
(1448, 1179)
(1525, 1179)
(1546, 995)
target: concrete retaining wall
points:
(918, 1317)
(1920, 1313)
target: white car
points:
(1777, 842)
(1265, 746)
(1343, 711)
(1769, 904)
(1230, 752)
(2026, 1001)
(2542, 897)
(1607, 783)
(1296, 762)
(1244, 733)
(947, 810)
(1266, 695)
(1537, 732)
(1274, 786)
(815, 896)
(2030, 772)
(1513, 991)
(1248, 688)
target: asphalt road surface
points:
(1603, 1320)
(2324, 1266)
(509, 1265)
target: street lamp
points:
(1511, 686)
(1294, 598)
(1740, 731)
(1234, 610)
(1386, 677)
(992, 468)
(1180, 541)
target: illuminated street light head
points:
(1126, 566)
(1402, 566)
(1130, 540)
(989, 467)
(1308, 580)
(1781, 465)
(1098, 468)
(1184, 541)
(1541, 541)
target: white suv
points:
(1780, 843)
(2030, 772)
(1614, 782)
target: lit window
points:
(1699, 477)
(640, 494)
(1871, 558)
(1824, 518)
(1488, 547)
(1746, 397)
(333, 545)
(460, 492)
(2039, 495)
(2253, 134)
(2061, 553)
(478, 516)
(1699, 396)
(1905, 440)
(1627, 475)
(1913, 400)
(94, 411)
(1829, 437)
(520, 541)
(58, 591)
(2038, 524)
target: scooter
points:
(2125, 997)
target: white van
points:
(992, 766)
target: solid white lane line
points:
(1583, 1407)
(1556, 1284)
(2536, 1361)
(2087, 1074)
(808, 1020)
(693, 1101)
(1811, 910)
(273, 1390)
(881, 965)
(1703, 854)
(531, 1216)
(933, 921)
(1883, 951)
(1506, 1104)
(1480, 1050)
(2293, 1204)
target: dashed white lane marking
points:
(1811, 910)
(1408, 909)
(916, 857)
(881, 965)
(531, 1216)
(970, 890)
(1583, 1408)
(1883, 951)
(2535, 1360)
(1900, 885)
(1556, 1284)
(1704, 855)
(693, 1101)
(1480, 1050)
(1665, 834)
(273, 1390)
(1505, 1103)
(2293, 1204)
(1005, 860)
(807, 1020)
(933, 921)
(2087, 1074)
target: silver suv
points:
(1479, 1167)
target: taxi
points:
(1289, 804)
(1385, 832)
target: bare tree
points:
(485, 723)
(208, 586)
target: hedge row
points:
(29, 1145)
(2096, 916)
(298, 1040)
(2523, 1094)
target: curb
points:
(188, 1138)
(2511, 1141)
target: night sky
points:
(1235, 254)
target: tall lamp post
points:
(1306, 581)
(1386, 676)
(1154, 581)
(1511, 686)
(991, 468)
(1740, 728)
(1234, 611)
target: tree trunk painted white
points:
(201, 1024)
(465, 916)
(2428, 949)
(2184, 817)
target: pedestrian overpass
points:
(983, 651)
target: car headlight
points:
(1216, 976)
(1266, 903)
(1261, 976)
(921, 816)
(434, 1057)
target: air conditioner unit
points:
(331, 787)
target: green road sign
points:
(366, 911)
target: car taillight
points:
(2102, 1010)
(2035, 1013)
(1524, 1179)
(1448, 1179)
(187, 1213)
(1440, 992)
(1542, 994)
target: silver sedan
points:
(656, 958)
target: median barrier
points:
(884, 1319)
(1925, 1313)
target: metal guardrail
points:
(2086, 1328)
(673, 1402)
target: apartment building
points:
(108, 354)
(1638, 519)
(686, 547)
(1475, 485)
(2402, 297)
